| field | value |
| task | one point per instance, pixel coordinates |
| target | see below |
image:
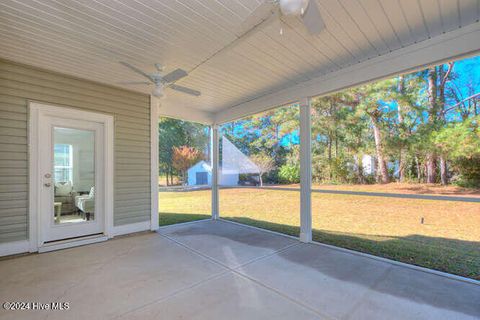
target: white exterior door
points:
(72, 178)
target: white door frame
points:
(35, 110)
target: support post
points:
(305, 171)
(215, 159)
(154, 163)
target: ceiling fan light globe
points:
(293, 7)
(158, 92)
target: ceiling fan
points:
(161, 81)
(306, 10)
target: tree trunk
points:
(382, 163)
(444, 78)
(261, 180)
(402, 163)
(336, 145)
(432, 117)
(330, 173)
(431, 167)
(419, 169)
(443, 171)
(403, 153)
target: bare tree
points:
(377, 134)
(265, 164)
(367, 99)
(444, 75)
(402, 163)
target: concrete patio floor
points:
(220, 270)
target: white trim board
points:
(37, 108)
(183, 113)
(59, 245)
(23, 246)
(15, 247)
(458, 43)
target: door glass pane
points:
(73, 175)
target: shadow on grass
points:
(425, 189)
(448, 255)
(168, 218)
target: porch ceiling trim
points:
(183, 112)
(460, 42)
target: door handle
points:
(48, 184)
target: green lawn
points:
(447, 240)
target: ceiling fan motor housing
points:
(163, 81)
(293, 7)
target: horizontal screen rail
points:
(364, 193)
(398, 195)
(258, 187)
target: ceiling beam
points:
(458, 43)
(183, 113)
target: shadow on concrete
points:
(448, 255)
(221, 229)
(420, 287)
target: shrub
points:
(289, 173)
(469, 171)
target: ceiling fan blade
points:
(262, 13)
(135, 69)
(174, 76)
(312, 19)
(185, 90)
(135, 82)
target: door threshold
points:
(69, 243)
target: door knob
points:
(48, 175)
(48, 184)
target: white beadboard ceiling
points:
(87, 38)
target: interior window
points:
(63, 162)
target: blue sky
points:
(467, 71)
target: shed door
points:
(202, 178)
